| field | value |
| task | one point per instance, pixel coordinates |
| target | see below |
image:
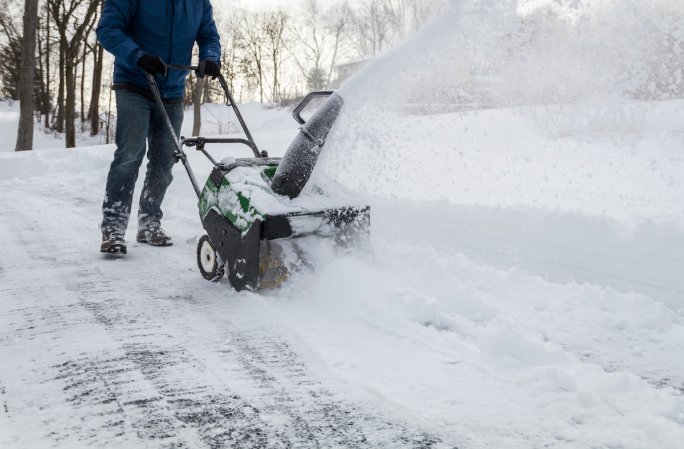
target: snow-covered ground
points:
(9, 117)
(522, 289)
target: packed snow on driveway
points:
(521, 289)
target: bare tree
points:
(11, 48)
(42, 41)
(374, 26)
(274, 55)
(197, 90)
(322, 38)
(74, 19)
(94, 111)
(274, 28)
(311, 43)
(398, 15)
(83, 61)
(230, 52)
(267, 55)
(338, 26)
(26, 81)
(252, 42)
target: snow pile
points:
(44, 163)
(496, 357)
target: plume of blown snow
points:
(516, 52)
(558, 104)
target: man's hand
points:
(152, 64)
(208, 67)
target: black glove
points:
(208, 67)
(152, 64)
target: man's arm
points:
(111, 31)
(208, 38)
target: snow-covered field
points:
(522, 289)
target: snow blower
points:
(253, 209)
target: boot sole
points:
(116, 248)
(154, 244)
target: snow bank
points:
(494, 357)
(9, 120)
(27, 164)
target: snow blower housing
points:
(251, 208)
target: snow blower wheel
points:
(209, 261)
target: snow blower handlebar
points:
(230, 101)
(200, 142)
(305, 102)
(178, 154)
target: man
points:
(145, 36)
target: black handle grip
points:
(305, 102)
(190, 68)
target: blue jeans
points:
(138, 121)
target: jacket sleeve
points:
(111, 31)
(208, 38)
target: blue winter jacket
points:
(165, 28)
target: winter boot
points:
(113, 243)
(155, 236)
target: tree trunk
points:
(40, 70)
(207, 97)
(70, 107)
(26, 81)
(109, 116)
(261, 82)
(59, 122)
(94, 111)
(276, 85)
(197, 106)
(46, 101)
(83, 64)
(73, 29)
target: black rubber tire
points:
(208, 260)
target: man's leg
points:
(159, 166)
(132, 127)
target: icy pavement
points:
(141, 352)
